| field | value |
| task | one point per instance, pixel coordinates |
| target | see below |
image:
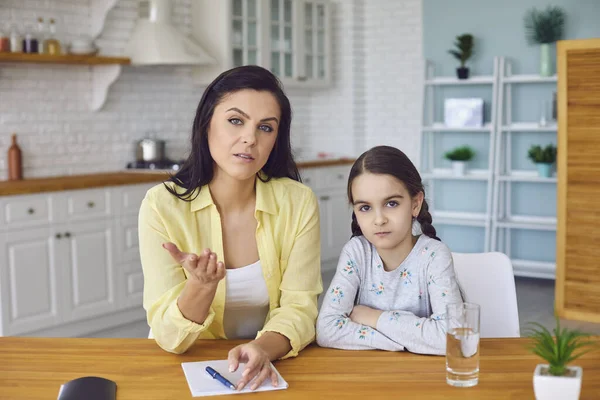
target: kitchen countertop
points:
(125, 177)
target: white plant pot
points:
(547, 387)
(459, 168)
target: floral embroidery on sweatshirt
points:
(379, 266)
(424, 250)
(364, 331)
(420, 294)
(377, 289)
(350, 267)
(405, 275)
(341, 321)
(394, 316)
(337, 294)
(431, 280)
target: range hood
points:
(155, 41)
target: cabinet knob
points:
(31, 211)
(307, 180)
(324, 198)
(341, 176)
(67, 234)
(58, 236)
(91, 204)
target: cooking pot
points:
(150, 150)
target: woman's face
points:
(242, 132)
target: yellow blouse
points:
(288, 240)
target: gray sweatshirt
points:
(412, 296)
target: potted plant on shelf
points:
(557, 380)
(463, 51)
(544, 28)
(459, 157)
(543, 158)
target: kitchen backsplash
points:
(46, 105)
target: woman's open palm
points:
(204, 267)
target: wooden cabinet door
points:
(578, 169)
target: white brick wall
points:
(394, 74)
(375, 96)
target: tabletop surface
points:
(34, 368)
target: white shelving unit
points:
(503, 221)
(430, 128)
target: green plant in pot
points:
(556, 379)
(544, 28)
(544, 158)
(459, 157)
(462, 52)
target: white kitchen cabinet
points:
(86, 257)
(30, 281)
(329, 185)
(68, 258)
(292, 38)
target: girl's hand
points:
(257, 362)
(365, 315)
(204, 268)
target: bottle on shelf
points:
(51, 44)
(42, 33)
(4, 40)
(15, 161)
(30, 40)
(16, 39)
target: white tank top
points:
(246, 302)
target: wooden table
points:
(34, 368)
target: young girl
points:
(391, 287)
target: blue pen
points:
(220, 378)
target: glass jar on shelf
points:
(30, 40)
(4, 40)
(16, 38)
(52, 44)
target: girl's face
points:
(242, 132)
(384, 209)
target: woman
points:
(230, 246)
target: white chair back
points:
(150, 334)
(487, 279)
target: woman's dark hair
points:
(387, 160)
(198, 170)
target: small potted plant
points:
(544, 28)
(459, 158)
(557, 380)
(462, 52)
(543, 158)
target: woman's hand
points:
(204, 268)
(257, 362)
(365, 315)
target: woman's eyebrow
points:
(247, 116)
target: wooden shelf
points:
(71, 59)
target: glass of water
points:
(462, 344)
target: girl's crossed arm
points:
(426, 335)
(334, 326)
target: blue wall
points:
(497, 26)
(498, 29)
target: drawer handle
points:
(30, 211)
(91, 204)
(58, 236)
(341, 176)
(67, 234)
(324, 198)
(307, 180)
